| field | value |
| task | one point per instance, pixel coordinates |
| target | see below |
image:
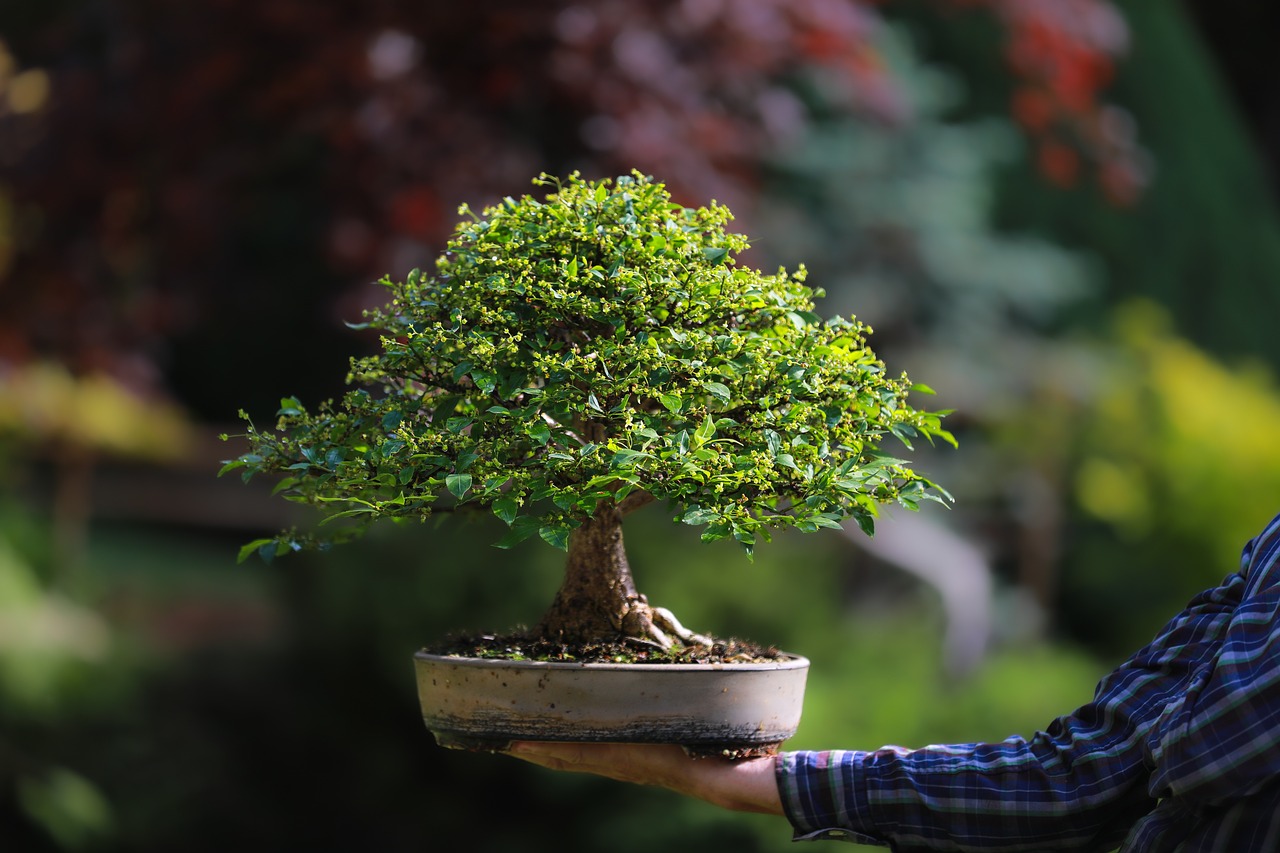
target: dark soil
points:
(519, 646)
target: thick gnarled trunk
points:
(598, 601)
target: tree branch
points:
(554, 423)
(634, 501)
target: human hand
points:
(743, 785)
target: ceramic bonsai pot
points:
(483, 704)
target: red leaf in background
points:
(415, 211)
(1033, 109)
(1059, 163)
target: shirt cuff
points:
(822, 798)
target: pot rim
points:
(787, 661)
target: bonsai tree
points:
(576, 358)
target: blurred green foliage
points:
(43, 403)
(1177, 439)
(1169, 456)
(48, 644)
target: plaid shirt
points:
(1178, 751)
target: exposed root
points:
(647, 643)
(658, 626)
(665, 619)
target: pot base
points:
(732, 751)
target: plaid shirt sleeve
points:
(1193, 717)
(1220, 741)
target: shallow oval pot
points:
(473, 703)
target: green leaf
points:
(625, 456)
(484, 380)
(714, 532)
(445, 408)
(866, 521)
(671, 403)
(715, 254)
(943, 434)
(904, 433)
(255, 545)
(704, 433)
(719, 391)
(286, 483)
(540, 432)
(347, 513)
(506, 508)
(511, 382)
(556, 535)
(231, 466)
(291, 406)
(699, 515)
(521, 529)
(458, 484)
(827, 520)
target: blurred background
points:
(1061, 214)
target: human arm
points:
(1221, 740)
(800, 786)
(746, 785)
(1078, 785)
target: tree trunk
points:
(598, 601)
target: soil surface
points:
(518, 646)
